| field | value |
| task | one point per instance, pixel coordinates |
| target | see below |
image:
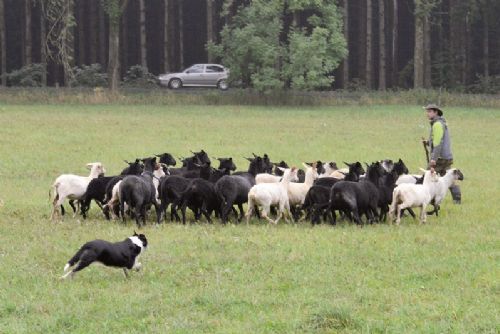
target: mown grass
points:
(437, 278)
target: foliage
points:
(114, 9)
(486, 85)
(59, 15)
(27, 76)
(264, 51)
(138, 76)
(89, 76)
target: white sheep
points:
(414, 195)
(73, 186)
(444, 183)
(297, 191)
(408, 178)
(328, 167)
(267, 194)
(267, 178)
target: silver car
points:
(198, 75)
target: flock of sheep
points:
(320, 191)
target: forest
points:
(376, 44)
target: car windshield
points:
(194, 69)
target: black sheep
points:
(355, 197)
(139, 192)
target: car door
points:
(193, 75)
(212, 74)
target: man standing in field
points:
(439, 143)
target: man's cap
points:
(434, 107)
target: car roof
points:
(207, 65)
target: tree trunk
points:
(142, 34)
(114, 46)
(166, 31)
(27, 33)
(468, 48)
(210, 26)
(395, 23)
(486, 46)
(94, 45)
(181, 34)
(369, 46)
(124, 44)
(418, 55)
(427, 52)
(360, 68)
(81, 31)
(345, 63)
(3, 48)
(114, 56)
(43, 46)
(382, 85)
(102, 35)
(69, 47)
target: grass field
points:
(442, 277)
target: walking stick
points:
(424, 142)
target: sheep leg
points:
(58, 201)
(242, 214)
(173, 211)
(122, 210)
(75, 211)
(205, 212)
(423, 214)
(72, 204)
(158, 212)
(183, 212)
(398, 214)
(284, 210)
(265, 215)
(249, 213)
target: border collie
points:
(123, 254)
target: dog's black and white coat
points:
(123, 254)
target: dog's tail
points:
(74, 259)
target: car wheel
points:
(175, 83)
(222, 84)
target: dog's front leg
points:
(137, 266)
(125, 272)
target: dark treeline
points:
(391, 43)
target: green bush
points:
(27, 76)
(138, 76)
(89, 76)
(486, 85)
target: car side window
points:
(195, 69)
(214, 69)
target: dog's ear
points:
(135, 233)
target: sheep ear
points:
(249, 159)
(89, 165)
(422, 170)
(306, 165)
(281, 168)
(254, 155)
(348, 164)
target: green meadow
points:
(441, 277)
